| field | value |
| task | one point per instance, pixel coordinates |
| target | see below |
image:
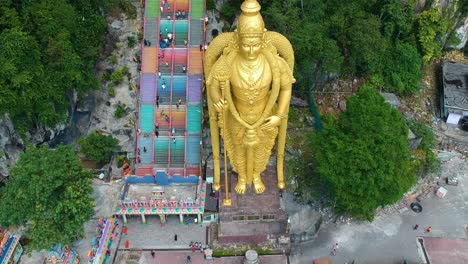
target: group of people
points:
(196, 246)
(428, 229)
(181, 14)
(147, 43)
(163, 84)
(166, 117)
(166, 39)
(203, 46)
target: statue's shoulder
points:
(215, 56)
(282, 45)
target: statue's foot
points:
(216, 186)
(258, 185)
(281, 185)
(217, 172)
(241, 186)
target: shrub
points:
(120, 160)
(228, 12)
(117, 76)
(131, 41)
(120, 111)
(125, 70)
(107, 76)
(113, 59)
(111, 91)
(98, 147)
(210, 5)
(128, 8)
(429, 161)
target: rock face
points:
(11, 145)
(213, 18)
(462, 34)
(102, 116)
(304, 221)
(93, 111)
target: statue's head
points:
(250, 30)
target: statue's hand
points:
(220, 105)
(271, 122)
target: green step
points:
(152, 9)
(197, 9)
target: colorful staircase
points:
(170, 93)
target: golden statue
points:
(249, 80)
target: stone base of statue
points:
(252, 218)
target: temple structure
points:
(10, 248)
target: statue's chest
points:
(250, 84)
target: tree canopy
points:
(363, 157)
(50, 193)
(360, 38)
(49, 48)
(98, 147)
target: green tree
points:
(403, 69)
(431, 26)
(98, 147)
(228, 11)
(48, 49)
(50, 193)
(210, 5)
(363, 158)
(315, 52)
(397, 18)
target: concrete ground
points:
(390, 238)
(180, 257)
(153, 235)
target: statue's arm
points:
(214, 92)
(284, 97)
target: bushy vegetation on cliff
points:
(48, 48)
(386, 40)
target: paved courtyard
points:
(180, 257)
(153, 235)
(391, 238)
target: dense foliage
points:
(385, 40)
(98, 147)
(363, 157)
(426, 159)
(50, 193)
(48, 48)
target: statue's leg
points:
(241, 185)
(280, 156)
(259, 162)
(259, 187)
(214, 130)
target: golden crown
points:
(250, 21)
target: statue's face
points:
(250, 47)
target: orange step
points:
(195, 66)
(150, 60)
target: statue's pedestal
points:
(252, 218)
